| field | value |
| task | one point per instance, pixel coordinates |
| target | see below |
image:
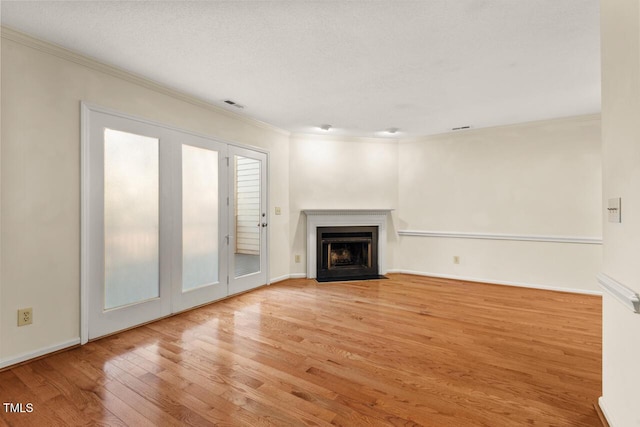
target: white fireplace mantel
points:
(347, 218)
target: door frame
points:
(86, 193)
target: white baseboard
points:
(606, 414)
(498, 282)
(37, 353)
(288, 276)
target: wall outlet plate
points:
(25, 316)
(614, 213)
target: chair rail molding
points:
(628, 297)
(497, 236)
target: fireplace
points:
(347, 253)
(316, 218)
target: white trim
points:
(345, 217)
(628, 297)
(605, 412)
(100, 109)
(37, 353)
(279, 278)
(392, 140)
(470, 132)
(494, 236)
(71, 56)
(287, 276)
(344, 212)
(498, 282)
(84, 221)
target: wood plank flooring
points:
(401, 352)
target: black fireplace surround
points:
(347, 253)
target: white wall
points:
(540, 178)
(40, 243)
(339, 173)
(620, 27)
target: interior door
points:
(248, 219)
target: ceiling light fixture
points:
(325, 127)
(392, 130)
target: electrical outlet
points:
(25, 316)
(456, 259)
(297, 258)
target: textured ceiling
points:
(361, 66)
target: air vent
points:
(235, 104)
(461, 128)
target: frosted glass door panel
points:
(247, 216)
(199, 217)
(131, 218)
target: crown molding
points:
(343, 138)
(476, 131)
(94, 64)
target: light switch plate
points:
(278, 210)
(613, 210)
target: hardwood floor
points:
(400, 352)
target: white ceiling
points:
(361, 66)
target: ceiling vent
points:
(461, 128)
(235, 104)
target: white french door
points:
(159, 207)
(248, 219)
(200, 266)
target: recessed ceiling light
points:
(325, 127)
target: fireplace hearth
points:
(347, 253)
